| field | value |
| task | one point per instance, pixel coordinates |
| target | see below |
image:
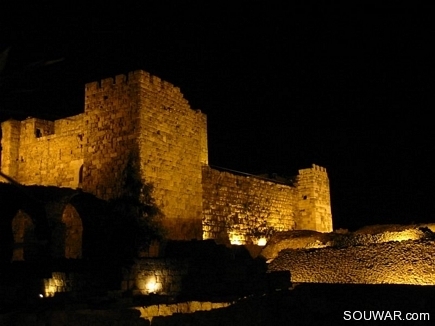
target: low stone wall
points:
(194, 271)
(199, 278)
(406, 262)
(110, 316)
(155, 275)
(149, 312)
(61, 282)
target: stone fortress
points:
(142, 118)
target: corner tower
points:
(314, 201)
(172, 144)
(111, 130)
(145, 118)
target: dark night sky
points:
(283, 87)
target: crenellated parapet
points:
(152, 84)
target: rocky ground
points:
(379, 254)
(304, 239)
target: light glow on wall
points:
(152, 286)
(49, 288)
(262, 242)
(149, 285)
(57, 283)
(237, 238)
(403, 236)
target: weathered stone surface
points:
(304, 239)
(189, 307)
(197, 270)
(405, 262)
(314, 202)
(298, 239)
(245, 209)
(139, 118)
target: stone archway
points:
(23, 231)
(73, 232)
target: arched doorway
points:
(23, 231)
(73, 232)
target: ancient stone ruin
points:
(141, 120)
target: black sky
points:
(283, 86)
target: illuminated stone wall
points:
(206, 269)
(110, 132)
(405, 262)
(162, 276)
(173, 148)
(43, 152)
(241, 208)
(244, 209)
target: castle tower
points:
(10, 144)
(110, 131)
(314, 202)
(148, 120)
(172, 150)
